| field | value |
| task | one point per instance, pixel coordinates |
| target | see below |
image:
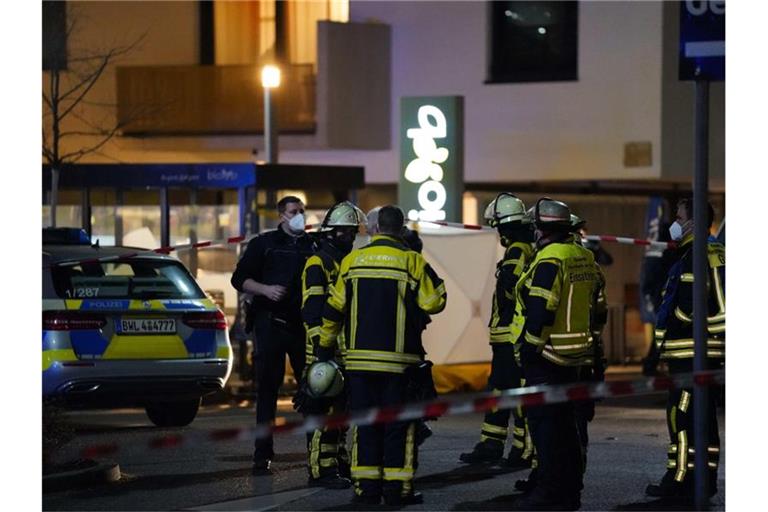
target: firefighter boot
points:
(485, 452)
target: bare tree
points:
(71, 77)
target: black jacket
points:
(272, 258)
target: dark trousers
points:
(273, 340)
(554, 433)
(681, 453)
(384, 456)
(585, 412)
(506, 374)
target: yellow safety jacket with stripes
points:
(380, 297)
(674, 325)
(558, 295)
(508, 272)
(320, 272)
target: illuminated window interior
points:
(244, 32)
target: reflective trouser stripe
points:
(682, 455)
(369, 472)
(671, 464)
(314, 454)
(495, 430)
(322, 454)
(404, 474)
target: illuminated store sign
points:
(431, 157)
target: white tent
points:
(457, 339)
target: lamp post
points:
(270, 79)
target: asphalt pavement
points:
(628, 444)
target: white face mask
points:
(676, 231)
(297, 223)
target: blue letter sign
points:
(702, 40)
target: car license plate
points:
(147, 326)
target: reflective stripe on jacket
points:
(557, 294)
(508, 272)
(319, 274)
(674, 327)
(380, 297)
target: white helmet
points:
(324, 379)
(551, 214)
(505, 208)
(343, 214)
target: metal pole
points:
(165, 218)
(270, 133)
(119, 216)
(85, 210)
(700, 233)
(242, 212)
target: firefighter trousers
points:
(681, 453)
(326, 448)
(384, 456)
(555, 434)
(506, 374)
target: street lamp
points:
(270, 79)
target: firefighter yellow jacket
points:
(379, 298)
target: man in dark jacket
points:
(270, 269)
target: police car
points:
(130, 331)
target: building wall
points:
(556, 130)
(513, 132)
(160, 33)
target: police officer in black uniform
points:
(270, 269)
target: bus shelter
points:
(256, 186)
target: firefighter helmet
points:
(324, 379)
(504, 208)
(551, 214)
(577, 222)
(343, 214)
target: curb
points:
(101, 473)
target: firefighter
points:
(674, 338)
(585, 409)
(381, 291)
(270, 269)
(556, 293)
(327, 458)
(420, 391)
(507, 214)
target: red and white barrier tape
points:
(241, 239)
(473, 227)
(630, 241)
(481, 402)
(592, 238)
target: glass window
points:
(245, 32)
(136, 278)
(533, 42)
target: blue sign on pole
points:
(702, 40)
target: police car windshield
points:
(141, 279)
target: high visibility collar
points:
(381, 236)
(388, 240)
(687, 239)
